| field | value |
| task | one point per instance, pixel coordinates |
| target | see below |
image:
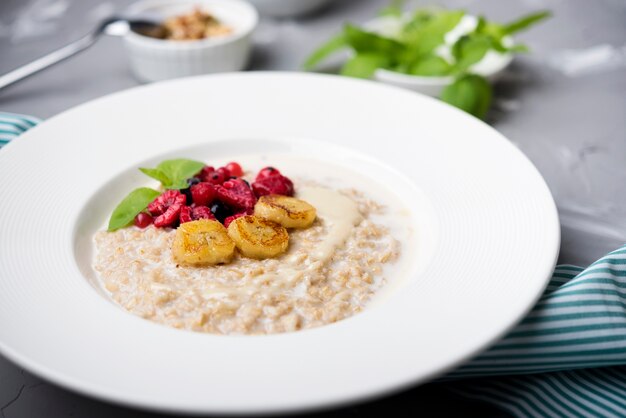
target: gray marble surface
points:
(564, 106)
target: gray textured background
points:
(564, 105)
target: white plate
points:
(491, 241)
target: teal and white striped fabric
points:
(13, 125)
(567, 358)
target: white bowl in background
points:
(154, 59)
(287, 8)
(490, 67)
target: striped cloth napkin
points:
(567, 358)
(12, 125)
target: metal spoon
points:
(116, 26)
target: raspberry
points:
(167, 206)
(202, 194)
(231, 218)
(267, 172)
(143, 220)
(236, 193)
(206, 171)
(201, 212)
(164, 201)
(188, 213)
(234, 169)
(276, 184)
(185, 214)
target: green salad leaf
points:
(136, 202)
(333, 45)
(470, 49)
(428, 31)
(173, 174)
(363, 41)
(471, 93)
(416, 44)
(363, 65)
(394, 9)
(431, 65)
(526, 22)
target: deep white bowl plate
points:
(488, 242)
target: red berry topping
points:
(143, 220)
(163, 201)
(234, 169)
(215, 177)
(188, 213)
(236, 193)
(185, 214)
(225, 172)
(267, 172)
(277, 184)
(202, 194)
(206, 171)
(167, 206)
(201, 212)
(231, 218)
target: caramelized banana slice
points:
(287, 211)
(201, 243)
(258, 238)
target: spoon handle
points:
(48, 60)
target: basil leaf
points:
(525, 22)
(471, 93)
(135, 202)
(364, 65)
(426, 37)
(333, 45)
(371, 43)
(495, 30)
(157, 174)
(470, 49)
(518, 48)
(431, 65)
(180, 169)
(394, 9)
(173, 174)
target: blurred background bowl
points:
(153, 59)
(491, 66)
(288, 8)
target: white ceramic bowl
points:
(486, 231)
(288, 8)
(156, 59)
(491, 66)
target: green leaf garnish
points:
(423, 38)
(334, 44)
(157, 174)
(432, 65)
(364, 65)
(173, 174)
(394, 9)
(133, 204)
(526, 22)
(416, 45)
(471, 93)
(470, 49)
(368, 42)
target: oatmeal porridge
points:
(329, 269)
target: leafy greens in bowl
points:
(449, 44)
